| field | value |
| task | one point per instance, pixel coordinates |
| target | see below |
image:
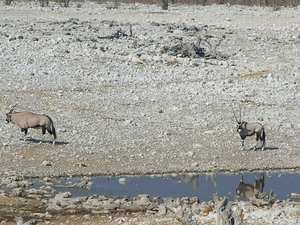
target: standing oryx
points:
(27, 120)
(249, 129)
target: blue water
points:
(200, 185)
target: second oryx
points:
(249, 129)
(27, 120)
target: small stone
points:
(194, 164)
(46, 163)
(12, 37)
(137, 60)
(190, 153)
(81, 164)
(209, 132)
(162, 210)
(123, 180)
(18, 192)
(87, 216)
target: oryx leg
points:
(257, 140)
(43, 132)
(25, 130)
(241, 177)
(262, 144)
(243, 144)
(254, 148)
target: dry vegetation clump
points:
(261, 74)
(165, 3)
(63, 3)
(271, 3)
(7, 2)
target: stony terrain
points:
(122, 104)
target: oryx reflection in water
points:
(250, 190)
(192, 178)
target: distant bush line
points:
(271, 3)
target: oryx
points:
(249, 129)
(27, 120)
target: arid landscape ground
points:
(124, 104)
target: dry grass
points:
(247, 101)
(261, 74)
(173, 62)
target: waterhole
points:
(202, 186)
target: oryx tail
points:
(51, 129)
(263, 137)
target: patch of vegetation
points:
(271, 3)
(103, 49)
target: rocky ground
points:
(124, 103)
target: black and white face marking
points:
(239, 127)
(8, 118)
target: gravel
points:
(122, 105)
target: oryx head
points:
(8, 115)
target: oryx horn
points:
(12, 109)
(238, 121)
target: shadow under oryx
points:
(271, 148)
(33, 140)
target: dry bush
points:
(63, 3)
(164, 5)
(7, 2)
(115, 4)
(271, 3)
(44, 3)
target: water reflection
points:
(188, 185)
(193, 178)
(246, 190)
(189, 178)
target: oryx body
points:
(26, 120)
(249, 129)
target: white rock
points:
(123, 180)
